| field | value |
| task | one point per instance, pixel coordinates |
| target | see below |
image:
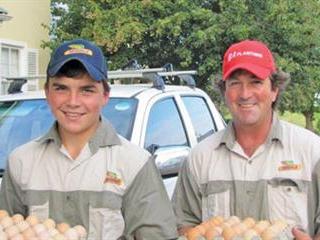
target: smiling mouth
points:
(246, 105)
(72, 114)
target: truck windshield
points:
(22, 121)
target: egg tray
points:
(233, 228)
(17, 227)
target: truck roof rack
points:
(158, 76)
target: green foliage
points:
(194, 34)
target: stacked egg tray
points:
(233, 228)
(17, 227)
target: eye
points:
(59, 87)
(257, 82)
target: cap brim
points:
(92, 71)
(260, 72)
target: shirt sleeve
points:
(147, 209)
(11, 195)
(187, 198)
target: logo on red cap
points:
(252, 56)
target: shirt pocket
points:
(38, 204)
(287, 200)
(216, 200)
(105, 217)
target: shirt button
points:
(68, 197)
(250, 161)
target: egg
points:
(239, 228)
(193, 234)
(228, 233)
(268, 234)
(32, 220)
(11, 231)
(81, 231)
(249, 234)
(3, 236)
(6, 222)
(249, 222)
(202, 230)
(59, 236)
(44, 235)
(261, 226)
(17, 237)
(38, 228)
(63, 227)
(233, 220)
(71, 234)
(28, 233)
(52, 232)
(17, 218)
(3, 213)
(22, 225)
(211, 234)
(49, 223)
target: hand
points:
(300, 234)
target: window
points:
(121, 113)
(201, 118)
(32, 118)
(165, 127)
(9, 64)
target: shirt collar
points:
(228, 137)
(105, 135)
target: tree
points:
(193, 34)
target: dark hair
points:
(74, 69)
(279, 79)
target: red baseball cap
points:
(253, 56)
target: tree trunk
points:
(309, 118)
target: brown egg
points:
(249, 234)
(59, 236)
(3, 235)
(268, 234)
(261, 226)
(32, 220)
(52, 232)
(249, 222)
(6, 222)
(17, 237)
(22, 226)
(44, 235)
(239, 228)
(28, 233)
(11, 231)
(211, 233)
(71, 234)
(233, 220)
(206, 225)
(193, 234)
(81, 231)
(17, 218)
(3, 213)
(63, 227)
(38, 228)
(202, 230)
(216, 220)
(228, 233)
(49, 223)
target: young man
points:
(259, 166)
(81, 171)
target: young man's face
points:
(76, 103)
(249, 99)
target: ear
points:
(275, 93)
(106, 97)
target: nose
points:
(245, 91)
(73, 98)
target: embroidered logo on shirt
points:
(289, 165)
(113, 178)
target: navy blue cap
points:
(83, 51)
